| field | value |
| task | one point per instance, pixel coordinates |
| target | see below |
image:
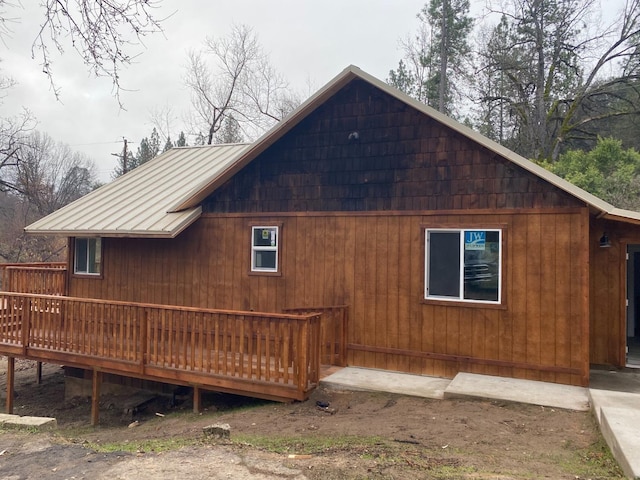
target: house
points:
(451, 252)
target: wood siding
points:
(607, 291)
(402, 160)
(374, 262)
(352, 215)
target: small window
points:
(264, 249)
(88, 256)
(463, 265)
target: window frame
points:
(98, 255)
(270, 248)
(443, 299)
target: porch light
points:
(604, 241)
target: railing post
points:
(343, 336)
(25, 323)
(303, 354)
(144, 325)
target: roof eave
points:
(622, 215)
(187, 219)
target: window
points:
(463, 265)
(264, 249)
(88, 256)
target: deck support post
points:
(39, 373)
(95, 397)
(197, 399)
(11, 369)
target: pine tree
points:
(168, 144)
(433, 66)
(230, 131)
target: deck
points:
(267, 355)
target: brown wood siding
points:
(402, 160)
(374, 262)
(607, 292)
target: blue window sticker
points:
(474, 239)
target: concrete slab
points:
(16, 421)
(352, 378)
(608, 398)
(626, 380)
(517, 390)
(619, 427)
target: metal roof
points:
(162, 197)
(138, 204)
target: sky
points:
(309, 42)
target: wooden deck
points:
(267, 355)
(274, 356)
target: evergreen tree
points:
(168, 144)
(434, 59)
(230, 131)
(149, 148)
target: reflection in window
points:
(463, 265)
(264, 249)
(87, 256)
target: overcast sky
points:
(309, 42)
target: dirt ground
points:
(333, 435)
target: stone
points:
(217, 430)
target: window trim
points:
(460, 300)
(99, 252)
(255, 248)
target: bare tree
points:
(50, 175)
(233, 76)
(13, 131)
(543, 64)
(102, 32)
(15, 244)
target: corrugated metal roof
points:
(139, 203)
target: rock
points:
(217, 430)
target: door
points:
(633, 306)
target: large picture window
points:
(87, 256)
(264, 249)
(463, 265)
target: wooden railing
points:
(40, 278)
(272, 356)
(333, 332)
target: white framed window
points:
(264, 248)
(87, 256)
(463, 265)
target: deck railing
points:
(333, 332)
(40, 278)
(266, 355)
